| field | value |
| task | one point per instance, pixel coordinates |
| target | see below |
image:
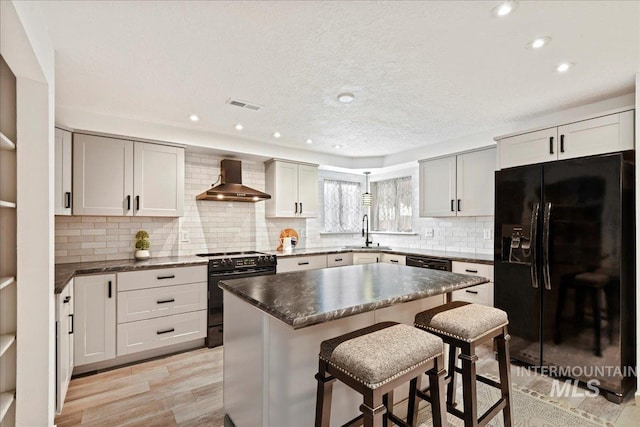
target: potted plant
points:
(142, 245)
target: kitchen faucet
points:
(367, 242)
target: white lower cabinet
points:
(339, 260)
(289, 264)
(160, 332)
(480, 294)
(95, 318)
(394, 259)
(366, 257)
(64, 343)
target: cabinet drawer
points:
(480, 294)
(394, 259)
(157, 302)
(143, 279)
(482, 270)
(160, 332)
(286, 265)
(337, 260)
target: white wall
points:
(25, 45)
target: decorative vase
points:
(141, 254)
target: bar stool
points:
(375, 360)
(464, 326)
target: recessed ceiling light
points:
(346, 97)
(504, 8)
(564, 67)
(194, 118)
(276, 135)
(337, 146)
(239, 126)
(538, 43)
(308, 141)
(220, 196)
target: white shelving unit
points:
(8, 266)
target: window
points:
(391, 207)
(341, 206)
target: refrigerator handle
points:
(545, 246)
(534, 233)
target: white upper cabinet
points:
(293, 188)
(158, 180)
(123, 178)
(606, 134)
(457, 185)
(63, 167)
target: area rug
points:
(531, 409)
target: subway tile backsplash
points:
(232, 226)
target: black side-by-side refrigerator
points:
(564, 265)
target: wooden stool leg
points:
(436, 386)
(504, 365)
(323, 395)
(451, 375)
(469, 393)
(414, 401)
(372, 409)
(387, 401)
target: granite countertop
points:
(454, 256)
(64, 272)
(306, 298)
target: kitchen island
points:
(274, 326)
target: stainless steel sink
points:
(371, 248)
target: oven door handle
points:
(242, 273)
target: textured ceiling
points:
(422, 72)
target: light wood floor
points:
(179, 390)
(186, 390)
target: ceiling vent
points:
(244, 104)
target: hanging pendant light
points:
(367, 197)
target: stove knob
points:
(226, 262)
(272, 259)
(260, 259)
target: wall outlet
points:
(487, 234)
(428, 232)
(184, 237)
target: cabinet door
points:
(366, 258)
(596, 136)
(529, 148)
(285, 189)
(438, 187)
(475, 177)
(62, 172)
(308, 191)
(63, 356)
(102, 176)
(158, 180)
(95, 318)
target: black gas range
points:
(231, 265)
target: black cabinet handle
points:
(71, 331)
(166, 301)
(338, 259)
(166, 331)
(304, 263)
(551, 145)
(67, 199)
(300, 207)
(452, 208)
(296, 207)
(129, 202)
(394, 260)
(67, 299)
(110, 290)
(169, 276)
(472, 292)
(470, 271)
(459, 205)
(562, 143)
(137, 203)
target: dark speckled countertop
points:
(64, 272)
(453, 256)
(306, 298)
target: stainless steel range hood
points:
(230, 188)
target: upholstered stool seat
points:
(375, 360)
(464, 326)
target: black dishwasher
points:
(426, 262)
